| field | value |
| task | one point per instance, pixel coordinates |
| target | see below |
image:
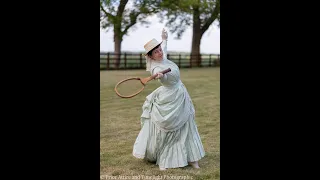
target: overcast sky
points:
(137, 37)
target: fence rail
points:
(137, 61)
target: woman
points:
(169, 134)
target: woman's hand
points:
(164, 34)
(160, 75)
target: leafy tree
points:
(198, 13)
(115, 15)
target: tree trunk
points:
(117, 48)
(196, 38)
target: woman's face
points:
(157, 54)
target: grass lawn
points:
(120, 124)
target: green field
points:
(120, 124)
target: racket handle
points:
(166, 71)
(163, 72)
(145, 80)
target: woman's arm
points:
(164, 43)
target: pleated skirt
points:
(169, 149)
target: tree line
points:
(200, 14)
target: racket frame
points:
(128, 79)
(142, 81)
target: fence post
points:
(108, 61)
(190, 60)
(179, 60)
(210, 60)
(125, 60)
(140, 60)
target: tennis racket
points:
(131, 87)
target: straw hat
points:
(150, 45)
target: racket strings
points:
(130, 87)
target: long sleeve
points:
(164, 48)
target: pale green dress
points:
(169, 135)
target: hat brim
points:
(146, 53)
